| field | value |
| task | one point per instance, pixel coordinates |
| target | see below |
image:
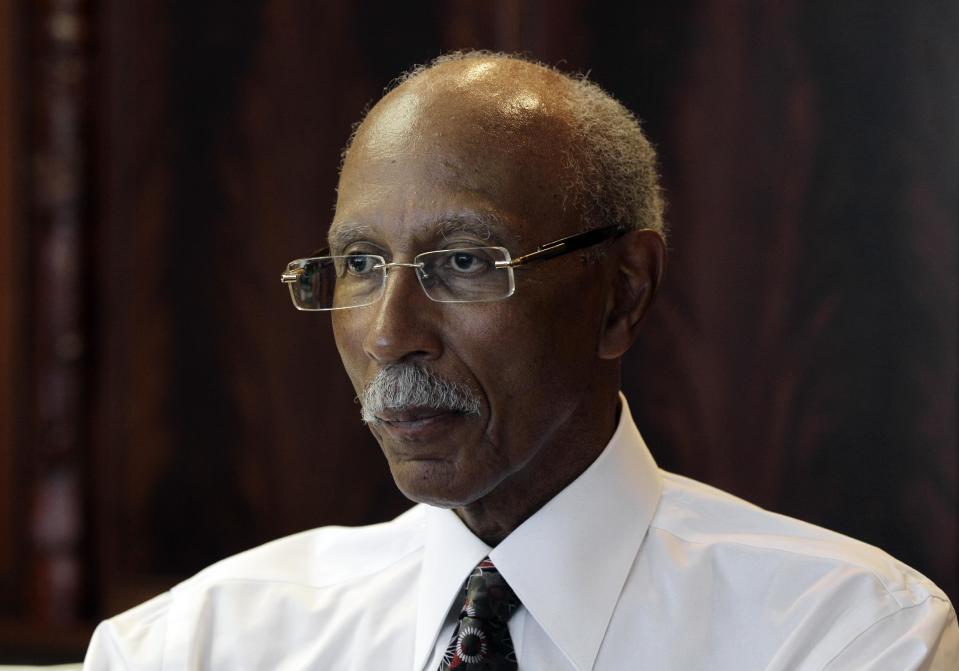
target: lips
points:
(417, 423)
(409, 415)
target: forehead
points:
(475, 147)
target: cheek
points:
(548, 344)
(552, 329)
(521, 361)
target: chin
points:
(435, 483)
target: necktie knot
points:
(481, 639)
(488, 596)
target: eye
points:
(467, 262)
(360, 264)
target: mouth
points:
(417, 423)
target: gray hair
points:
(404, 386)
(613, 167)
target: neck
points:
(568, 453)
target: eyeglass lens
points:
(448, 276)
(465, 275)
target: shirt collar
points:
(567, 563)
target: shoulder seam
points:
(875, 622)
(891, 592)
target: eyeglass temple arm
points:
(568, 244)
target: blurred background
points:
(162, 405)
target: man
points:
(498, 239)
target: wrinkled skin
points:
(481, 141)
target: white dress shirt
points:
(629, 567)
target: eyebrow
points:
(482, 225)
(341, 236)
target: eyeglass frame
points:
(544, 252)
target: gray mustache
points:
(408, 385)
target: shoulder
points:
(698, 514)
(322, 557)
(328, 575)
(805, 593)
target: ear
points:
(640, 261)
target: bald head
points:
(603, 167)
(496, 94)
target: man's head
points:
(505, 397)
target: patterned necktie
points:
(481, 639)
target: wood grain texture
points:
(46, 396)
(59, 215)
(10, 294)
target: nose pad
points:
(425, 279)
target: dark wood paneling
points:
(46, 229)
(60, 225)
(10, 290)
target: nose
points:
(406, 322)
